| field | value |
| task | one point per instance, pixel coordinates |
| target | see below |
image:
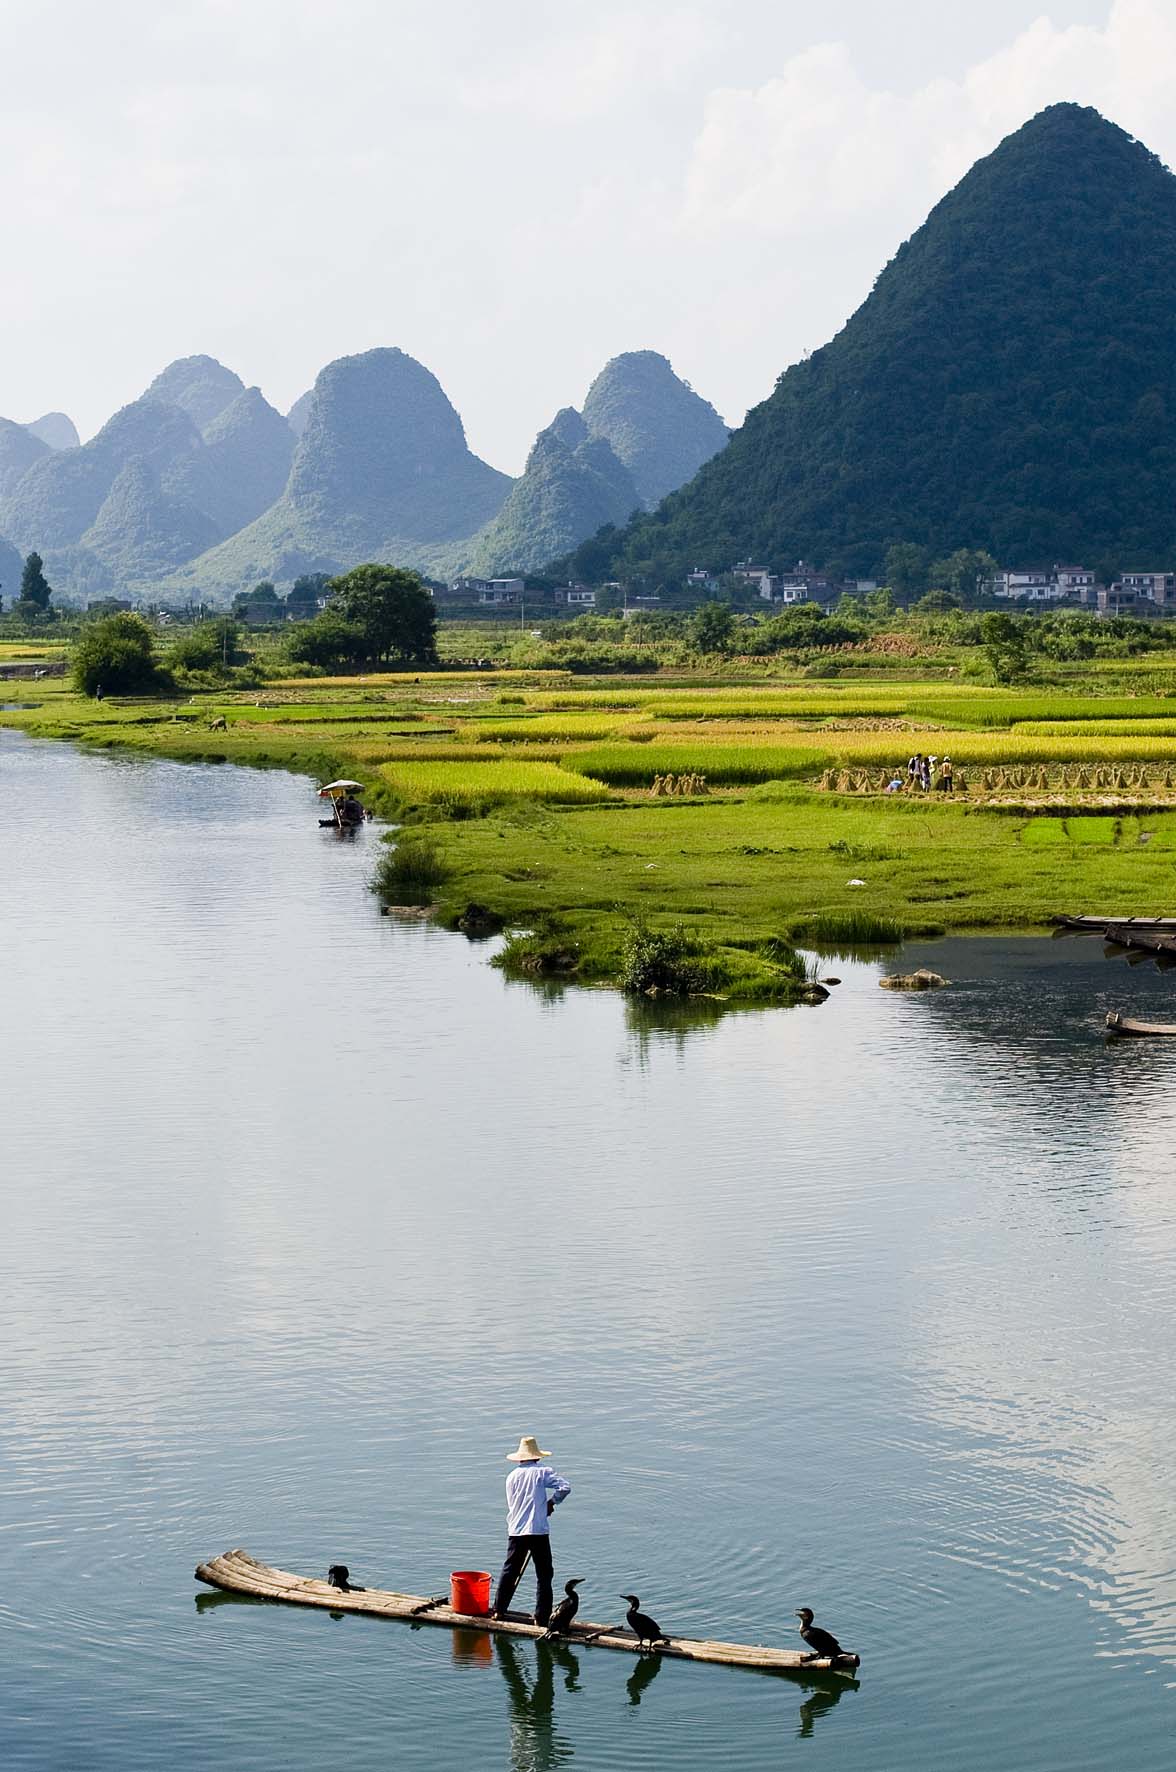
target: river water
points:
(307, 1215)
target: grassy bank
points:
(743, 818)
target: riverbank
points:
(751, 819)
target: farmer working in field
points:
(533, 1492)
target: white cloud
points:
(815, 147)
(511, 193)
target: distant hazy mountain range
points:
(200, 488)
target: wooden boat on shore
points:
(236, 1572)
(1134, 939)
(1123, 1024)
(1139, 925)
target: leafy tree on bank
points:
(35, 589)
(711, 627)
(1004, 642)
(327, 642)
(392, 611)
(116, 656)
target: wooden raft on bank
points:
(236, 1572)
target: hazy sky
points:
(511, 191)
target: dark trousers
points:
(539, 1546)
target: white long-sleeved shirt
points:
(529, 1488)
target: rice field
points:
(474, 783)
(1069, 796)
(722, 764)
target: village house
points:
(576, 596)
(494, 592)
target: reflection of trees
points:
(534, 1744)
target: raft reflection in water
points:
(534, 1744)
(530, 1670)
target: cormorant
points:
(560, 1621)
(821, 1642)
(645, 1628)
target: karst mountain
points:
(641, 432)
(1010, 383)
(196, 457)
(200, 488)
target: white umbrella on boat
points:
(340, 787)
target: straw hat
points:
(528, 1449)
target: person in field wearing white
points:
(533, 1492)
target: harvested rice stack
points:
(670, 785)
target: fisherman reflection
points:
(646, 1671)
(534, 1744)
(820, 1700)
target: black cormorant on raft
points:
(560, 1621)
(823, 1645)
(236, 1572)
(644, 1628)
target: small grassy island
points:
(685, 831)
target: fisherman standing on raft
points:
(533, 1492)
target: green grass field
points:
(535, 789)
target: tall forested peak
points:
(142, 528)
(55, 502)
(657, 425)
(19, 449)
(381, 471)
(573, 484)
(156, 429)
(250, 412)
(567, 427)
(243, 466)
(1010, 383)
(383, 446)
(201, 385)
(56, 429)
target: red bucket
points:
(469, 1592)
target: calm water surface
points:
(306, 1216)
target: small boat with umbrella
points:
(348, 811)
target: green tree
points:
(961, 573)
(263, 596)
(879, 604)
(939, 602)
(209, 646)
(305, 593)
(117, 656)
(906, 570)
(35, 589)
(1004, 645)
(391, 610)
(326, 641)
(711, 627)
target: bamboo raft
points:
(1123, 1024)
(236, 1572)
